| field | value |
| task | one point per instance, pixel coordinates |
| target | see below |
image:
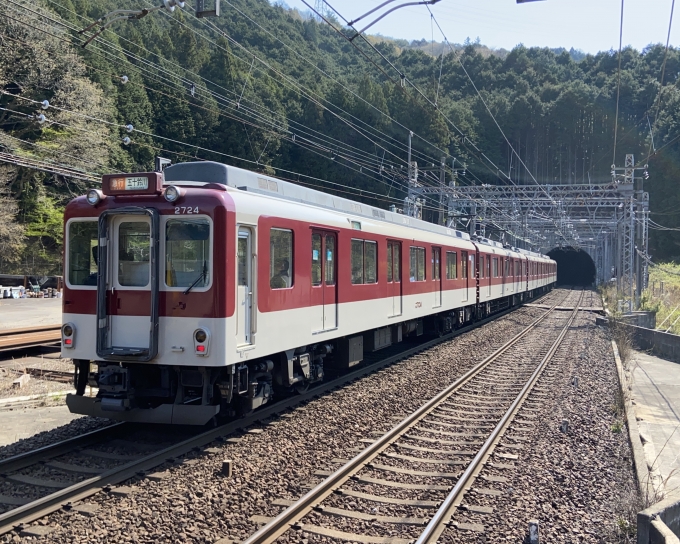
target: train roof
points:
(204, 172)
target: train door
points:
(504, 274)
(244, 287)
(324, 281)
(464, 273)
(488, 275)
(437, 276)
(394, 276)
(127, 289)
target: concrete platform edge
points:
(654, 523)
(642, 472)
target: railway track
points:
(15, 339)
(39, 482)
(451, 438)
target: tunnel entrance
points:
(574, 266)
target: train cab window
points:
(280, 258)
(83, 254)
(134, 243)
(417, 262)
(451, 265)
(364, 262)
(187, 253)
(464, 264)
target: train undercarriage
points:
(194, 395)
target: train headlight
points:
(68, 335)
(201, 342)
(94, 197)
(172, 193)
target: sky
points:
(588, 25)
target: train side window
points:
(364, 262)
(134, 244)
(464, 264)
(187, 252)
(83, 240)
(357, 261)
(280, 258)
(316, 259)
(417, 264)
(451, 268)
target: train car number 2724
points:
(185, 209)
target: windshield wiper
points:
(204, 273)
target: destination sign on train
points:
(136, 183)
(139, 183)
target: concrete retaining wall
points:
(661, 344)
(641, 319)
(660, 523)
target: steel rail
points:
(438, 523)
(39, 508)
(11, 339)
(291, 515)
(29, 458)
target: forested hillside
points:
(263, 88)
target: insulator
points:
(129, 128)
(170, 4)
(126, 141)
(124, 79)
(40, 118)
(45, 104)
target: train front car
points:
(145, 298)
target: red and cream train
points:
(206, 288)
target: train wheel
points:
(301, 388)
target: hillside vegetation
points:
(263, 88)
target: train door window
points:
(495, 267)
(472, 265)
(134, 243)
(436, 258)
(506, 268)
(451, 265)
(330, 259)
(480, 265)
(417, 262)
(316, 259)
(393, 258)
(187, 252)
(516, 268)
(280, 258)
(389, 261)
(464, 264)
(83, 248)
(242, 257)
(488, 266)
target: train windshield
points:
(187, 253)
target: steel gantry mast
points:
(608, 221)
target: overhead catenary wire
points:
(238, 158)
